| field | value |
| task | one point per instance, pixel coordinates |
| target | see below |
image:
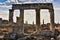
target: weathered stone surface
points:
(32, 6)
(38, 19)
(37, 7)
(22, 20)
(11, 15)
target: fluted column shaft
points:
(22, 20)
(52, 19)
(37, 20)
(11, 15)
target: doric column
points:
(52, 19)
(37, 20)
(21, 20)
(11, 15)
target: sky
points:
(5, 5)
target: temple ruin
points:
(37, 7)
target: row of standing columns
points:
(21, 19)
(38, 24)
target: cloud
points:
(12, 0)
(8, 2)
(4, 14)
(4, 7)
(31, 1)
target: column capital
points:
(21, 9)
(37, 9)
(11, 10)
(51, 9)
